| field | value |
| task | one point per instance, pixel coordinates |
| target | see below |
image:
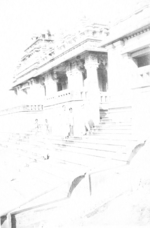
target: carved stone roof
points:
(45, 47)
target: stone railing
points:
(80, 95)
(63, 96)
(58, 98)
(22, 108)
(104, 97)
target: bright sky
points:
(20, 19)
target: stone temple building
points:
(102, 73)
(71, 72)
(102, 68)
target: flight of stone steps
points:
(53, 160)
(108, 140)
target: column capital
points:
(42, 80)
(31, 81)
(54, 76)
(102, 59)
(18, 87)
(91, 61)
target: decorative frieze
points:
(144, 30)
(102, 59)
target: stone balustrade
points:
(59, 98)
(104, 98)
(22, 108)
(63, 96)
(80, 95)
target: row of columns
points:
(75, 77)
(74, 73)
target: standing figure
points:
(37, 126)
(71, 122)
(47, 126)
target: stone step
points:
(63, 171)
(112, 131)
(105, 134)
(94, 140)
(97, 147)
(92, 146)
(87, 158)
(94, 153)
(40, 153)
(21, 150)
(89, 140)
(113, 126)
(108, 120)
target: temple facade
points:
(128, 49)
(100, 73)
(97, 68)
(71, 73)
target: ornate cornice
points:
(144, 30)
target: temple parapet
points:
(36, 54)
(93, 31)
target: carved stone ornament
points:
(32, 81)
(91, 60)
(68, 66)
(102, 59)
(80, 66)
(54, 75)
(80, 63)
(18, 87)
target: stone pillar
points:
(92, 100)
(70, 77)
(91, 65)
(122, 74)
(75, 78)
(130, 71)
(33, 93)
(116, 73)
(51, 84)
(22, 95)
